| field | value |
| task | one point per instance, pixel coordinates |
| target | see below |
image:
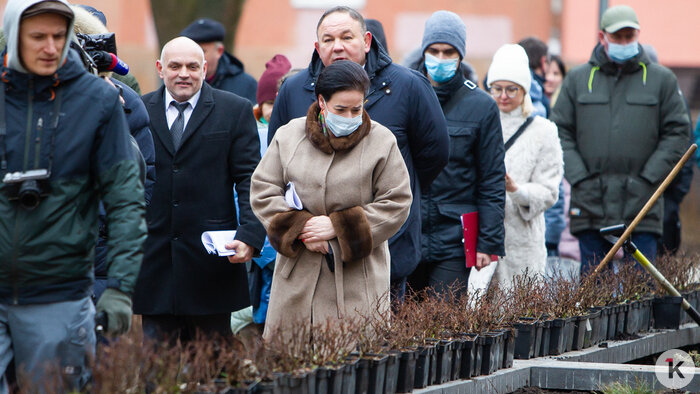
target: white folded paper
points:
(292, 198)
(215, 242)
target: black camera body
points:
(98, 42)
(28, 187)
(99, 53)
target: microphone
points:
(107, 61)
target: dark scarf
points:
(328, 143)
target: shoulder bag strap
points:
(518, 133)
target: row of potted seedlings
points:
(428, 339)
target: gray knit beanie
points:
(445, 27)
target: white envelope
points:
(292, 198)
(215, 242)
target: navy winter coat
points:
(231, 77)
(138, 121)
(474, 178)
(403, 101)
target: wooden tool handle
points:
(647, 207)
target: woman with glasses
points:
(534, 164)
(331, 190)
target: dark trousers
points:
(185, 327)
(594, 247)
(671, 240)
(440, 275)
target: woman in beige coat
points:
(333, 255)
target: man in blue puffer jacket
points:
(138, 120)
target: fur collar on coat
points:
(328, 143)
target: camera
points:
(27, 187)
(99, 53)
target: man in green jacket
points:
(64, 147)
(622, 125)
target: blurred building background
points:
(569, 27)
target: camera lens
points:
(29, 194)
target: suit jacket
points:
(194, 193)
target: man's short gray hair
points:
(350, 11)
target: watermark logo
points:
(675, 369)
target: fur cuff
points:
(284, 229)
(354, 235)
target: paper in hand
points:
(215, 242)
(292, 198)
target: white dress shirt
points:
(171, 112)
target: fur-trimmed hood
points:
(328, 143)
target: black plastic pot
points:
(569, 335)
(298, 383)
(667, 312)
(322, 377)
(457, 346)
(558, 337)
(245, 388)
(525, 340)
(491, 352)
(612, 322)
(407, 371)
(591, 338)
(392, 372)
(633, 318)
(546, 338)
(603, 324)
(266, 387)
(621, 316)
(538, 338)
(443, 357)
(582, 327)
(468, 359)
(371, 371)
(433, 372)
(329, 380)
(509, 337)
(422, 374)
(350, 375)
(645, 315)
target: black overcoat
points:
(194, 193)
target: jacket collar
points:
(228, 65)
(328, 143)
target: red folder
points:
(470, 231)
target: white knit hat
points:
(510, 63)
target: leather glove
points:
(117, 307)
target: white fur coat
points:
(535, 163)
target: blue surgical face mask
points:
(341, 126)
(440, 70)
(622, 53)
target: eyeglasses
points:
(511, 91)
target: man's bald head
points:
(182, 68)
(179, 44)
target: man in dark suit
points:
(206, 142)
